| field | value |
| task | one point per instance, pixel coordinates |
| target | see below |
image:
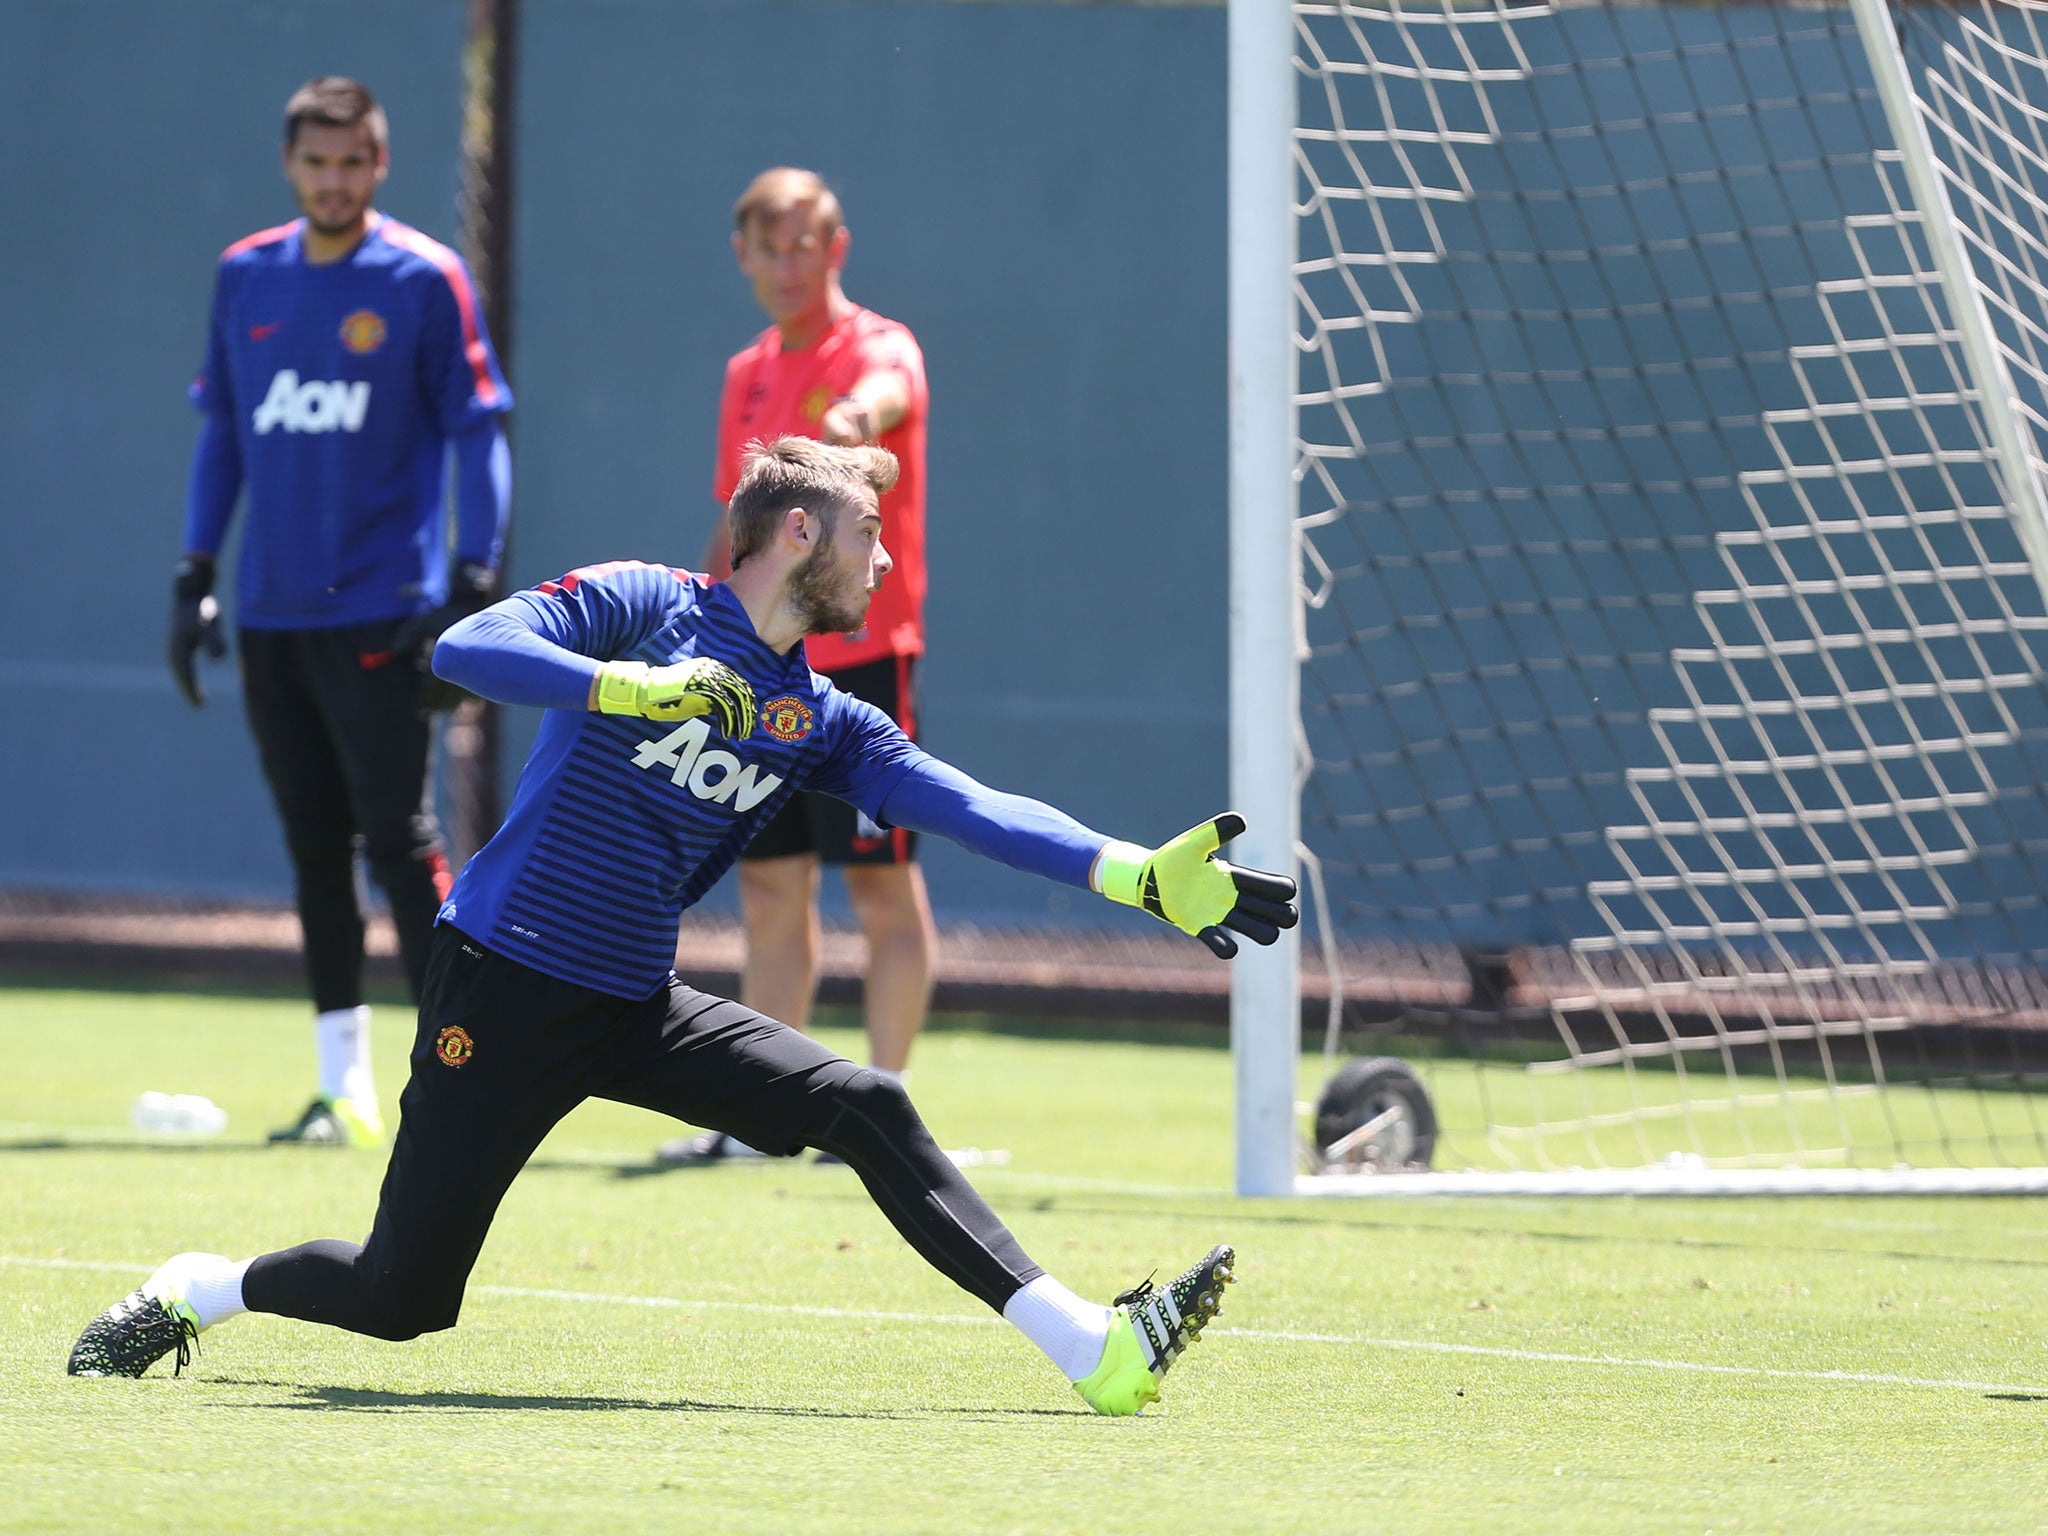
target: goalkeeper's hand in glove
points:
(679, 692)
(471, 589)
(195, 621)
(1186, 884)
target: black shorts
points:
(832, 829)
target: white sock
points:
(212, 1285)
(1070, 1330)
(343, 1037)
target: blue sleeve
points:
(483, 493)
(542, 647)
(211, 389)
(1025, 834)
(211, 489)
(459, 372)
(868, 755)
(500, 654)
(874, 766)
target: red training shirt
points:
(772, 393)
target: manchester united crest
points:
(787, 718)
(454, 1046)
(814, 404)
(363, 331)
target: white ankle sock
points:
(213, 1285)
(1070, 1330)
(343, 1038)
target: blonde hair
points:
(786, 472)
(784, 189)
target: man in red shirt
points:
(826, 368)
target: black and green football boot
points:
(1149, 1331)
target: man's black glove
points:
(472, 587)
(195, 621)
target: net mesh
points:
(1667, 625)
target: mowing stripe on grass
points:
(1263, 1335)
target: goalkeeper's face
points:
(335, 173)
(830, 589)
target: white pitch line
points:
(1263, 1335)
(1435, 1346)
(94, 1265)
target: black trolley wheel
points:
(1365, 1090)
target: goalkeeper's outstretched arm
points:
(1181, 881)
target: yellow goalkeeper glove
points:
(680, 692)
(1185, 883)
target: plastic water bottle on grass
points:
(177, 1114)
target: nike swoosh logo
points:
(264, 332)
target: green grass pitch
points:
(752, 1349)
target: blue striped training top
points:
(343, 383)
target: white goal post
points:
(1639, 531)
(1265, 987)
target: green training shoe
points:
(1150, 1331)
(334, 1123)
(142, 1327)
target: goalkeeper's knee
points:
(867, 1119)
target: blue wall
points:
(1573, 383)
(1037, 191)
(1047, 217)
(142, 138)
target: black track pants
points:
(503, 1052)
(345, 746)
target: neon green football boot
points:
(1150, 1331)
(335, 1122)
(148, 1323)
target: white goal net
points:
(1668, 541)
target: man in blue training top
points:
(346, 353)
(680, 716)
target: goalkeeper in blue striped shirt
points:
(680, 717)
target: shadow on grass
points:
(123, 1144)
(306, 1397)
(650, 1169)
(288, 986)
(2016, 1397)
